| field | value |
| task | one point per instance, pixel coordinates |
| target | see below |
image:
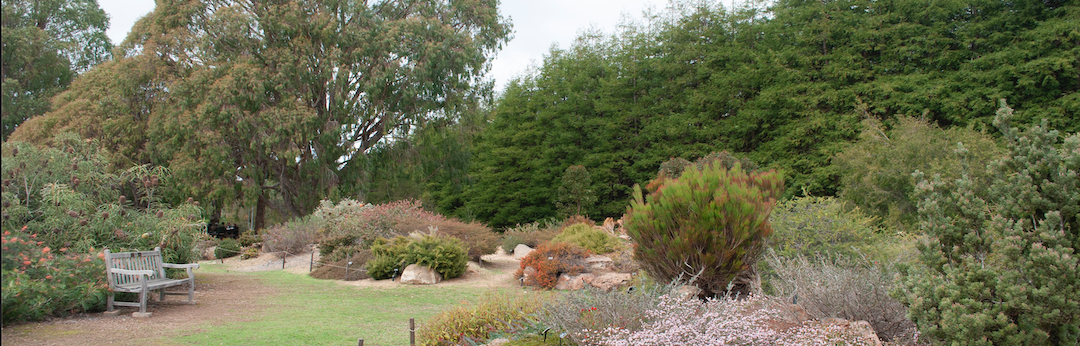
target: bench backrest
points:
(140, 260)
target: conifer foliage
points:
(1001, 266)
(711, 220)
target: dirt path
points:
(220, 297)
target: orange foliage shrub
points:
(551, 260)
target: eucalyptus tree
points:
(45, 44)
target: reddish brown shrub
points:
(576, 219)
(551, 260)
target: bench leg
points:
(191, 291)
(161, 295)
(109, 311)
(142, 305)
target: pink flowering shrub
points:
(725, 321)
(368, 222)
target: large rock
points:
(608, 281)
(521, 250)
(416, 274)
(686, 292)
(597, 262)
(574, 282)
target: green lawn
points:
(320, 312)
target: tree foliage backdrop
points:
(45, 44)
(277, 102)
(787, 86)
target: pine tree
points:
(1000, 266)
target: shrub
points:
(1000, 264)
(821, 225)
(711, 220)
(478, 239)
(583, 313)
(551, 260)
(292, 237)
(69, 196)
(249, 237)
(467, 323)
(328, 248)
(444, 255)
(531, 234)
(876, 170)
(40, 281)
(844, 287)
(725, 321)
(590, 238)
(227, 248)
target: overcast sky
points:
(538, 24)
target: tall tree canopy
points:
(786, 86)
(45, 44)
(280, 100)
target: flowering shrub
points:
(293, 237)
(551, 260)
(478, 239)
(725, 321)
(39, 281)
(580, 313)
(369, 222)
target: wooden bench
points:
(141, 272)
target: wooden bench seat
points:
(142, 272)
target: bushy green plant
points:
(444, 255)
(549, 260)
(590, 238)
(712, 221)
(249, 237)
(40, 281)
(1000, 264)
(478, 239)
(227, 248)
(876, 170)
(822, 225)
(474, 323)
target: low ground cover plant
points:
(474, 323)
(583, 314)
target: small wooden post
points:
(283, 260)
(412, 331)
(361, 342)
(312, 263)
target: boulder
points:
(521, 250)
(597, 262)
(686, 292)
(574, 282)
(416, 274)
(608, 281)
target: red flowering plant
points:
(40, 281)
(551, 260)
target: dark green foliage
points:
(709, 220)
(877, 169)
(590, 238)
(445, 255)
(787, 87)
(227, 248)
(575, 195)
(1000, 266)
(328, 248)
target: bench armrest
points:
(180, 266)
(132, 272)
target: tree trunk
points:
(260, 213)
